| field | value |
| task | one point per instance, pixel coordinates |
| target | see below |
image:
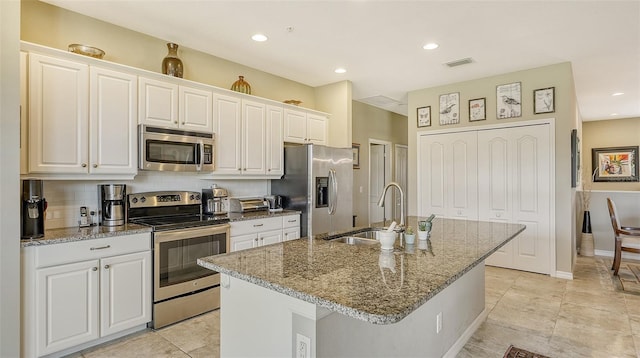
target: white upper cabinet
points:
(164, 104)
(248, 138)
(112, 122)
(303, 127)
(58, 115)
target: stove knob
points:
(143, 199)
(135, 200)
(197, 196)
(191, 197)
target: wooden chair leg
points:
(617, 257)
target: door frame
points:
(552, 171)
(388, 148)
(395, 178)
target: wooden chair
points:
(624, 236)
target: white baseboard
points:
(564, 274)
(468, 333)
(625, 255)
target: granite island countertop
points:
(356, 280)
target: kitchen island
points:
(317, 298)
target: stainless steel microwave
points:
(166, 149)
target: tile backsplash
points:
(65, 197)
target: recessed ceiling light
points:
(339, 70)
(259, 38)
(431, 46)
(618, 94)
(614, 114)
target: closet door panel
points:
(432, 176)
(462, 161)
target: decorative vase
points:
(423, 235)
(241, 86)
(171, 64)
(586, 240)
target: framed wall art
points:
(356, 155)
(575, 158)
(508, 100)
(450, 108)
(615, 164)
(544, 100)
(477, 109)
(424, 116)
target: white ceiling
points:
(380, 42)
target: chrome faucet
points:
(400, 227)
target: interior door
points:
(377, 181)
(514, 167)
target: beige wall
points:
(55, 27)
(609, 133)
(9, 179)
(371, 122)
(335, 98)
(559, 76)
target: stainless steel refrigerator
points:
(318, 181)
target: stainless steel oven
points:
(182, 288)
(181, 235)
(166, 149)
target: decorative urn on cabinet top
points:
(171, 64)
(241, 86)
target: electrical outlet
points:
(439, 322)
(303, 346)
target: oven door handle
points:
(171, 235)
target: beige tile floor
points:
(584, 317)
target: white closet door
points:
(514, 171)
(448, 175)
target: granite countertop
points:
(71, 234)
(356, 280)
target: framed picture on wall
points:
(575, 158)
(424, 116)
(477, 109)
(356, 155)
(544, 100)
(450, 108)
(615, 164)
(508, 100)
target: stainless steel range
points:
(181, 235)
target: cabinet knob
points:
(106, 267)
(175, 122)
(239, 169)
(268, 170)
(84, 165)
(95, 165)
(256, 239)
(94, 269)
(183, 123)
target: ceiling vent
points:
(460, 62)
(380, 100)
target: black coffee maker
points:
(33, 208)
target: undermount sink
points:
(352, 240)
(366, 234)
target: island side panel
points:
(257, 322)
(461, 304)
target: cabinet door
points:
(275, 142)
(158, 102)
(269, 237)
(67, 306)
(113, 120)
(291, 233)
(317, 129)
(295, 126)
(24, 110)
(254, 137)
(125, 291)
(195, 109)
(228, 134)
(243, 242)
(58, 115)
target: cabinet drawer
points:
(291, 221)
(257, 225)
(57, 254)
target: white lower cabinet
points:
(248, 234)
(99, 288)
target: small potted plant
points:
(409, 236)
(424, 227)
